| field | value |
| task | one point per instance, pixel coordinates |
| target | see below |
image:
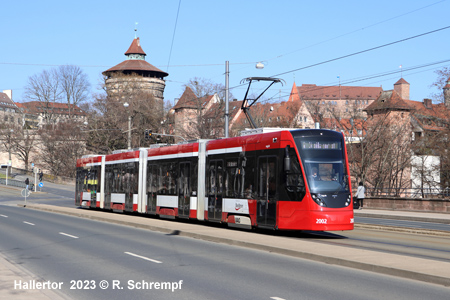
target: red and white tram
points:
(285, 180)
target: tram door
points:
(215, 190)
(130, 182)
(184, 190)
(267, 186)
(92, 183)
(152, 188)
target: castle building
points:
(137, 73)
(336, 101)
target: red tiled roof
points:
(135, 65)
(314, 92)
(135, 48)
(401, 81)
(294, 94)
(388, 100)
(190, 100)
(36, 107)
(273, 112)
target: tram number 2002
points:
(321, 221)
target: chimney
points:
(8, 93)
(427, 103)
(402, 88)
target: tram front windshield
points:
(324, 163)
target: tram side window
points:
(184, 178)
(219, 178)
(169, 175)
(194, 171)
(212, 179)
(152, 179)
(295, 184)
(109, 179)
(117, 179)
(232, 179)
(133, 174)
(248, 173)
(267, 177)
(164, 180)
(173, 174)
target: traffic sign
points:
(26, 193)
(41, 184)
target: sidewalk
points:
(11, 273)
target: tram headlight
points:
(318, 200)
(348, 201)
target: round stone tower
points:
(136, 72)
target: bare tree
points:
(23, 144)
(388, 152)
(60, 147)
(74, 85)
(205, 87)
(66, 83)
(440, 82)
(45, 88)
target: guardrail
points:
(16, 183)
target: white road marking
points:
(277, 298)
(69, 235)
(143, 257)
(28, 223)
(3, 216)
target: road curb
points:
(404, 229)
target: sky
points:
(354, 43)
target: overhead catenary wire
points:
(173, 36)
(363, 51)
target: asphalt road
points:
(64, 195)
(85, 254)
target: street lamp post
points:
(8, 169)
(227, 89)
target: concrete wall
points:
(423, 205)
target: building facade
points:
(10, 114)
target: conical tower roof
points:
(135, 48)
(135, 63)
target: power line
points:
(363, 28)
(173, 36)
(364, 78)
(363, 51)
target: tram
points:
(281, 180)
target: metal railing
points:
(13, 182)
